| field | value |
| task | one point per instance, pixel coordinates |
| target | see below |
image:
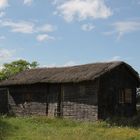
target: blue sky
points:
(70, 32)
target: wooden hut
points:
(84, 92)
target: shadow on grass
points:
(5, 129)
(130, 122)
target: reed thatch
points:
(64, 74)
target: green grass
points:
(42, 128)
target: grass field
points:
(42, 128)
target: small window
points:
(125, 96)
(128, 95)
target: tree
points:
(10, 69)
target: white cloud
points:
(26, 27)
(70, 63)
(20, 27)
(28, 2)
(67, 64)
(87, 27)
(50, 65)
(83, 9)
(3, 4)
(46, 28)
(6, 55)
(116, 58)
(57, 1)
(119, 58)
(2, 14)
(29, 28)
(44, 37)
(124, 27)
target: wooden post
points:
(99, 115)
(60, 102)
(47, 100)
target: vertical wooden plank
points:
(61, 104)
(3, 101)
(59, 101)
(47, 100)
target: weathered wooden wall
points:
(108, 98)
(27, 100)
(80, 101)
(73, 100)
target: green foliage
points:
(43, 128)
(10, 69)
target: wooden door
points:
(54, 101)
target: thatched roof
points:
(64, 74)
